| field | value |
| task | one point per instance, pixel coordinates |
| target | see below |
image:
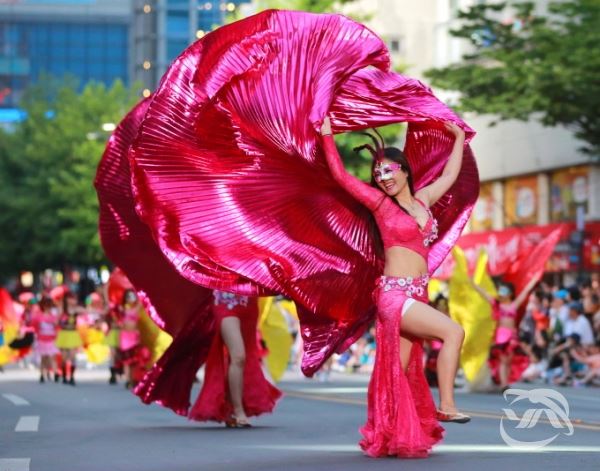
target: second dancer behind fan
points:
(234, 386)
(407, 229)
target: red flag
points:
(7, 311)
(531, 262)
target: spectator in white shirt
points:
(578, 324)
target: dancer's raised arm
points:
(482, 292)
(433, 192)
(524, 293)
(369, 196)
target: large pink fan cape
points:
(230, 179)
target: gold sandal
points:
(456, 417)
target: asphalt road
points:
(97, 427)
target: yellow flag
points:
(472, 312)
(153, 337)
(7, 354)
(274, 330)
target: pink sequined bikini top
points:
(131, 314)
(503, 311)
(397, 228)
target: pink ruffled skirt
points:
(45, 348)
(259, 395)
(401, 417)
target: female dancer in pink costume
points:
(234, 385)
(407, 229)
(129, 335)
(507, 361)
(45, 324)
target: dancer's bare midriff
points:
(507, 322)
(403, 262)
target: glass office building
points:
(28, 50)
(100, 40)
(85, 39)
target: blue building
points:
(99, 40)
(86, 39)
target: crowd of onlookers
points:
(561, 334)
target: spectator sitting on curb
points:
(590, 358)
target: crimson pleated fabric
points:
(259, 395)
(180, 307)
(401, 414)
(230, 179)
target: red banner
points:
(504, 248)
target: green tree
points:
(543, 65)
(48, 206)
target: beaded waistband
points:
(411, 285)
(230, 300)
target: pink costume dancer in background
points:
(234, 385)
(402, 419)
(129, 335)
(68, 339)
(45, 324)
(507, 361)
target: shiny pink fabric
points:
(177, 305)
(401, 414)
(230, 177)
(259, 395)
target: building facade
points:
(88, 40)
(97, 40)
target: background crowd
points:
(558, 333)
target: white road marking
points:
(14, 464)
(28, 423)
(466, 448)
(16, 400)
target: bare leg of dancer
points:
(232, 336)
(504, 373)
(425, 322)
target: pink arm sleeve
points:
(361, 191)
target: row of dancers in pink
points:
(57, 327)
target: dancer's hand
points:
(454, 129)
(326, 126)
